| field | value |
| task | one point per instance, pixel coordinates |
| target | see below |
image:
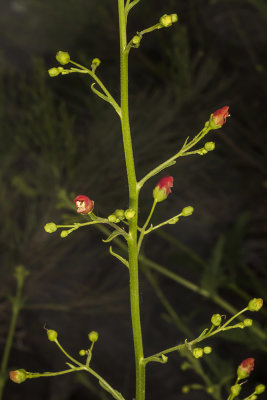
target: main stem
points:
(133, 204)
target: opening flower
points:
(245, 368)
(163, 188)
(18, 376)
(83, 204)
(218, 118)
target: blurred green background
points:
(59, 140)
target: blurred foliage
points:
(58, 138)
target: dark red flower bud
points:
(163, 188)
(245, 368)
(84, 204)
(218, 118)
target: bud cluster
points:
(119, 215)
(167, 20)
(198, 352)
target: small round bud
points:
(18, 376)
(166, 21)
(207, 350)
(93, 336)
(64, 234)
(216, 320)
(119, 214)
(129, 214)
(136, 40)
(248, 322)
(82, 352)
(259, 389)
(53, 72)
(173, 220)
(197, 352)
(186, 211)
(185, 389)
(255, 304)
(52, 335)
(235, 390)
(50, 227)
(63, 57)
(95, 63)
(112, 218)
(174, 18)
(253, 397)
(209, 146)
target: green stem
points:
(133, 204)
(195, 341)
(172, 159)
(16, 306)
(101, 85)
(143, 230)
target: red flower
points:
(163, 188)
(219, 116)
(84, 204)
(245, 368)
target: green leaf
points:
(111, 236)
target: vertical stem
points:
(133, 203)
(15, 311)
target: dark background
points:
(59, 140)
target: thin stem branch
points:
(101, 85)
(172, 159)
(143, 230)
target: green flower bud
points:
(207, 350)
(18, 376)
(235, 390)
(95, 63)
(50, 227)
(197, 352)
(52, 335)
(185, 389)
(93, 336)
(186, 211)
(259, 389)
(166, 21)
(216, 320)
(136, 40)
(209, 146)
(248, 322)
(254, 397)
(255, 304)
(63, 57)
(63, 234)
(119, 214)
(174, 18)
(129, 214)
(112, 218)
(82, 352)
(53, 72)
